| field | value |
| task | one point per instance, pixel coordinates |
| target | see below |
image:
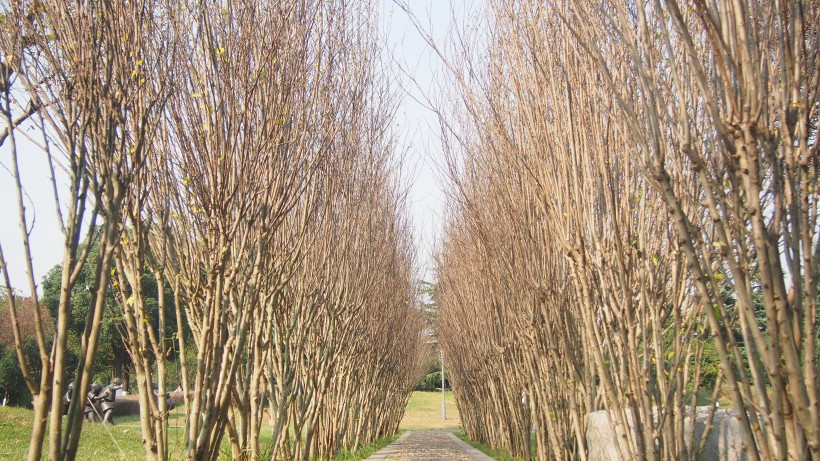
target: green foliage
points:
(111, 347)
(430, 382)
(12, 385)
(428, 303)
(112, 354)
(710, 365)
(730, 302)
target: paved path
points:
(429, 446)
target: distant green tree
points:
(711, 360)
(111, 355)
(427, 300)
(432, 380)
(13, 388)
(114, 360)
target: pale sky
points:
(418, 67)
(417, 126)
(45, 239)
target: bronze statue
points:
(67, 397)
(107, 397)
(170, 403)
(93, 392)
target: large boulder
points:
(723, 443)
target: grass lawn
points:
(366, 450)
(498, 455)
(97, 442)
(123, 440)
(424, 412)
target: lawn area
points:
(424, 412)
(498, 455)
(123, 440)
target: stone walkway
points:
(429, 446)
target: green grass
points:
(366, 450)
(97, 442)
(705, 397)
(424, 412)
(498, 455)
(123, 441)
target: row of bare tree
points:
(241, 151)
(634, 181)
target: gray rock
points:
(723, 443)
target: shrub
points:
(430, 382)
(13, 389)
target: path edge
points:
(382, 454)
(477, 454)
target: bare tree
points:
(729, 93)
(96, 111)
(545, 174)
(262, 186)
(236, 162)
